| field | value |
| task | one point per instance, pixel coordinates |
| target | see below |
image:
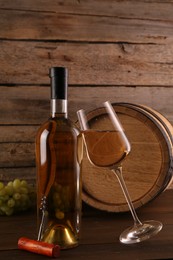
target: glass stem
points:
(118, 173)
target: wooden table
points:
(100, 232)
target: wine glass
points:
(107, 146)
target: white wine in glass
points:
(107, 146)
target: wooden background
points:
(116, 49)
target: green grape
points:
(16, 196)
(24, 183)
(24, 201)
(4, 197)
(4, 208)
(11, 203)
(59, 214)
(9, 190)
(10, 183)
(1, 185)
(2, 192)
(23, 190)
(16, 184)
(9, 211)
(56, 199)
(1, 212)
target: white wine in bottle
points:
(58, 170)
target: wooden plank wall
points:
(121, 50)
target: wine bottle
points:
(58, 144)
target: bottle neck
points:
(59, 107)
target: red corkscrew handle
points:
(39, 247)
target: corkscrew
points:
(43, 210)
(37, 246)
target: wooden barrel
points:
(148, 168)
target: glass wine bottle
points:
(58, 159)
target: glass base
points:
(139, 233)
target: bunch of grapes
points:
(16, 196)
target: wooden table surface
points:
(99, 236)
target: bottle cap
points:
(58, 77)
